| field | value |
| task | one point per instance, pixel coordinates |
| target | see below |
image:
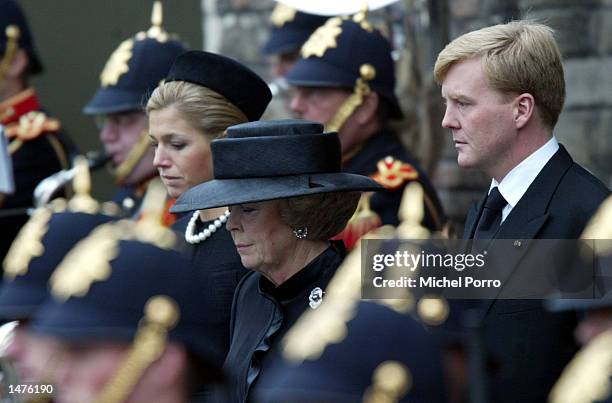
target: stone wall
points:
(584, 31)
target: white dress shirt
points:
(514, 185)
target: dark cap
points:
(384, 354)
(131, 74)
(273, 159)
(11, 14)
(111, 298)
(335, 53)
(236, 82)
(290, 29)
(26, 276)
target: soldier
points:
(345, 79)
(289, 30)
(130, 322)
(131, 73)
(53, 230)
(384, 356)
(36, 147)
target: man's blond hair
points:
(517, 57)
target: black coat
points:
(220, 270)
(262, 314)
(529, 346)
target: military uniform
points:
(36, 145)
(348, 53)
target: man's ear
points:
(18, 65)
(368, 109)
(523, 110)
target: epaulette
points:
(392, 173)
(31, 125)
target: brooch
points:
(315, 298)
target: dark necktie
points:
(490, 219)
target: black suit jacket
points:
(528, 346)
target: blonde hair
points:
(203, 108)
(324, 214)
(520, 56)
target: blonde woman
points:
(203, 94)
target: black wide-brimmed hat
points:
(11, 14)
(236, 82)
(274, 159)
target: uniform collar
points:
(18, 105)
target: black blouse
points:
(262, 314)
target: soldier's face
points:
(34, 356)
(85, 370)
(480, 119)
(120, 132)
(319, 104)
(282, 63)
(182, 153)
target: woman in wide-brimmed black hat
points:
(287, 199)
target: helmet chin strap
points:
(12, 44)
(361, 89)
(133, 158)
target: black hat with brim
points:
(269, 160)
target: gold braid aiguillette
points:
(161, 315)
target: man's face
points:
(86, 370)
(283, 62)
(480, 118)
(119, 132)
(320, 104)
(34, 355)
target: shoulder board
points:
(32, 125)
(393, 174)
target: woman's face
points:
(262, 239)
(182, 153)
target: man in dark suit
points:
(504, 90)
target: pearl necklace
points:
(193, 238)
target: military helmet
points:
(14, 27)
(135, 69)
(343, 51)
